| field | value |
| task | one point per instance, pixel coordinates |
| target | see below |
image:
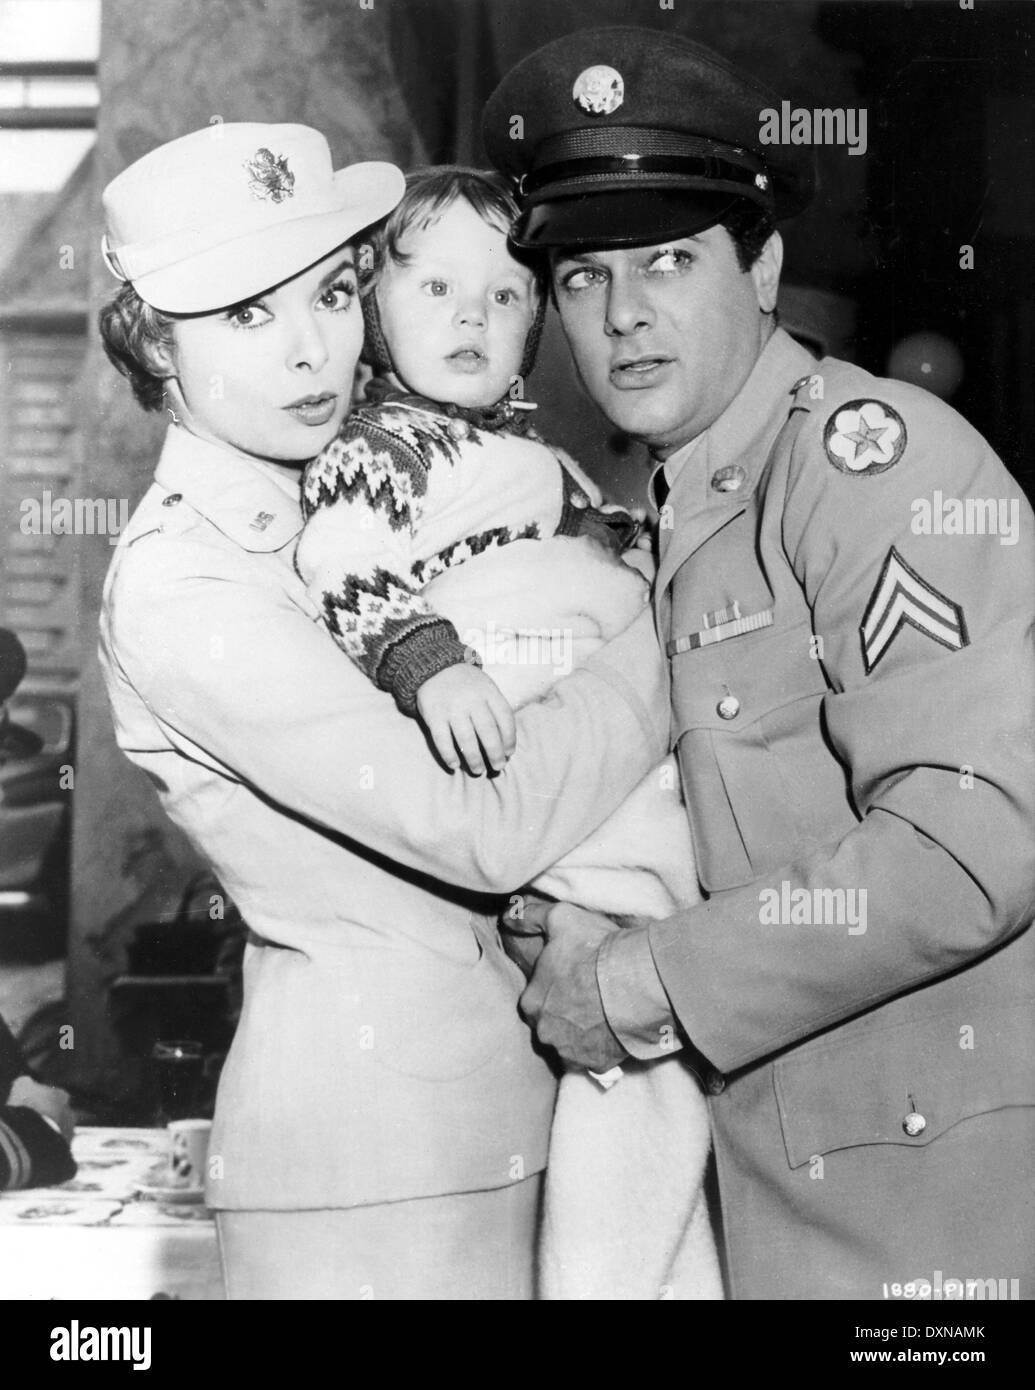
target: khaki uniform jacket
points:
(857, 754)
(380, 1054)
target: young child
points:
(441, 465)
(463, 564)
(446, 541)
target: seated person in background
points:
(36, 1125)
(15, 742)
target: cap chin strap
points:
(532, 341)
(378, 354)
(375, 349)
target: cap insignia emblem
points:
(599, 91)
(762, 181)
(269, 176)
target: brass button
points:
(716, 1083)
(729, 479)
(172, 499)
(580, 500)
(914, 1124)
(728, 707)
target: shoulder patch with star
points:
(901, 597)
(864, 437)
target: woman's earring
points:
(169, 410)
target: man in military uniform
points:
(851, 702)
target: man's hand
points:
(462, 708)
(562, 999)
(47, 1100)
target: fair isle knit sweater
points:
(405, 492)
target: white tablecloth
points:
(95, 1237)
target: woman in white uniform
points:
(383, 1117)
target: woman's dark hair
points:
(131, 331)
(750, 226)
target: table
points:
(95, 1238)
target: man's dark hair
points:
(750, 226)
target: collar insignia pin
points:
(729, 479)
(262, 521)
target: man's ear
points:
(766, 273)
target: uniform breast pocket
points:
(760, 780)
(905, 1083)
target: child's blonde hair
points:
(429, 192)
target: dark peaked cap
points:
(609, 113)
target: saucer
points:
(159, 1192)
(156, 1187)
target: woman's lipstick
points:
(313, 410)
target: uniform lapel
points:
(741, 440)
(697, 512)
(254, 507)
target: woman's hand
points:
(523, 929)
(462, 709)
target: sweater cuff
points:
(417, 656)
(35, 1155)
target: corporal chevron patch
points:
(902, 597)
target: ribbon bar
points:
(720, 626)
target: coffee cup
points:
(188, 1153)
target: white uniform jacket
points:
(380, 1055)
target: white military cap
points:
(226, 212)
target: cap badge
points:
(762, 181)
(270, 176)
(599, 90)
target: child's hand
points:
(463, 708)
